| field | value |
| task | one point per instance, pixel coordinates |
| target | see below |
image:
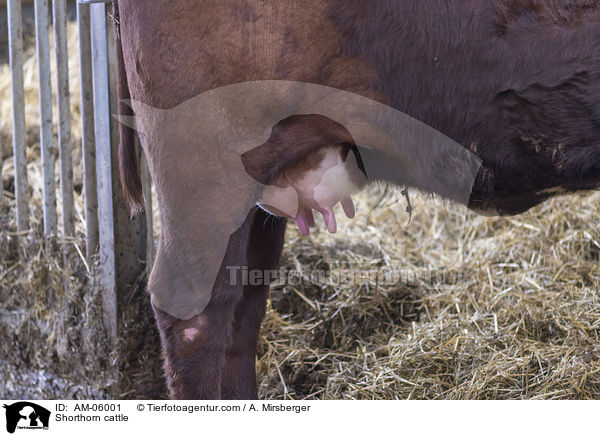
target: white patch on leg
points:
(190, 334)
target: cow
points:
(516, 83)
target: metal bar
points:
(147, 190)
(1, 163)
(15, 37)
(48, 150)
(130, 234)
(59, 10)
(89, 2)
(103, 167)
(88, 151)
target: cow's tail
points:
(129, 165)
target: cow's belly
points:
(188, 50)
(440, 65)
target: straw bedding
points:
(518, 317)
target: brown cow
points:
(516, 82)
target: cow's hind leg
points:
(264, 249)
(194, 350)
(211, 355)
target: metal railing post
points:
(101, 86)
(88, 152)
(15, 37)
(48, 149)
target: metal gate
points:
(123, 245)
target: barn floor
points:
(53, 343)
(512, 311)
(522, 321)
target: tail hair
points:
(129, 165)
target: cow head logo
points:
(26, 415)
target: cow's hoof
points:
(318, 182)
